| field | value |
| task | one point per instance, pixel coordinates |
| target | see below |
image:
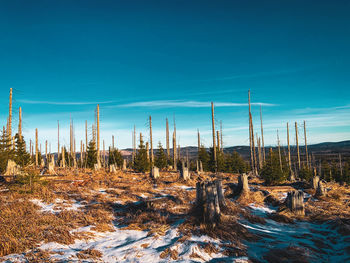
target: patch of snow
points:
(58, 205)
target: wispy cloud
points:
(185, 104)
(63, 103)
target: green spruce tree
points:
(271, 172)
(22, 157)
(115, 157)
(161, 159)
(91, 154)
(141, 163)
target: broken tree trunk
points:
(213, 131)
(295, 202)
(209, 202)
(320, 191)
(315, 181)
(155, 172)
(12, 168)
(242, 187)
(184, 172)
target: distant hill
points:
(328, 150)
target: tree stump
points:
(315, 181)
(295, 202)
(51, 165)
(320, 191)
(242, 187)
(112, 168)
(210, 201)
(12, 168)
(155, 172)
(185, 173)
(291, 176)
(124, 165)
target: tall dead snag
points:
(307, 156)
(58, 138)
(98, 135)
(63, 161)
(340, 166)
(86, 137)
(218, 140)
(147, 151)
(213, 131)
(167, 139)
(151, 140)
(262, 135)
(296, 139)
(255, 170)
(221, 141)
(210, 201)
(134, 145)
(47, 160)
(250, 134)
(289, 159)
(36, 148)
(20, 124)
(199, 142)
(279, 150)
(295, 202)
(9, 127)
(259, 153)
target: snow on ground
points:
(322, 242)
(58, 205)
(133, 246)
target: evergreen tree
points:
(326, 171)
(161, 158)
(271, 172)
(6, 151)
(91, 154)
(115, 157)
(141, 163)
(204, 157)
(22, 157)
(236, 164)
(305, 173)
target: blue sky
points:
(160, 58)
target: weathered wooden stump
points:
(12, 168)
(199, 167)
(242, 187)
(291, 176)
(124, 165)
(112, 168)
(295, 202)
(320, 190)
(210, 201)
(51, 165)
(155, 172)
(315, 181)
(185, 173)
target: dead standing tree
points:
(213, 132)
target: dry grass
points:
(89, 253)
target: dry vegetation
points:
(135, 201)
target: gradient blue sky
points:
(159, 58)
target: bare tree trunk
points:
(151, 140)
(289, 159)
(259, 153)
(174, 151)
(296, 138)
(167, 138)
(20, 124)
(36, 148)
(279, 150)
(58, 139)
(134, 146)
(46, 152)
(250, 135)
(199, 142)
(214, 140)
(306, 153)
(9, 130)
(340, 166)
(98, 133)
(221, 140)
(113, 142)
(218, 140)
(262, 135)
(253, 146)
